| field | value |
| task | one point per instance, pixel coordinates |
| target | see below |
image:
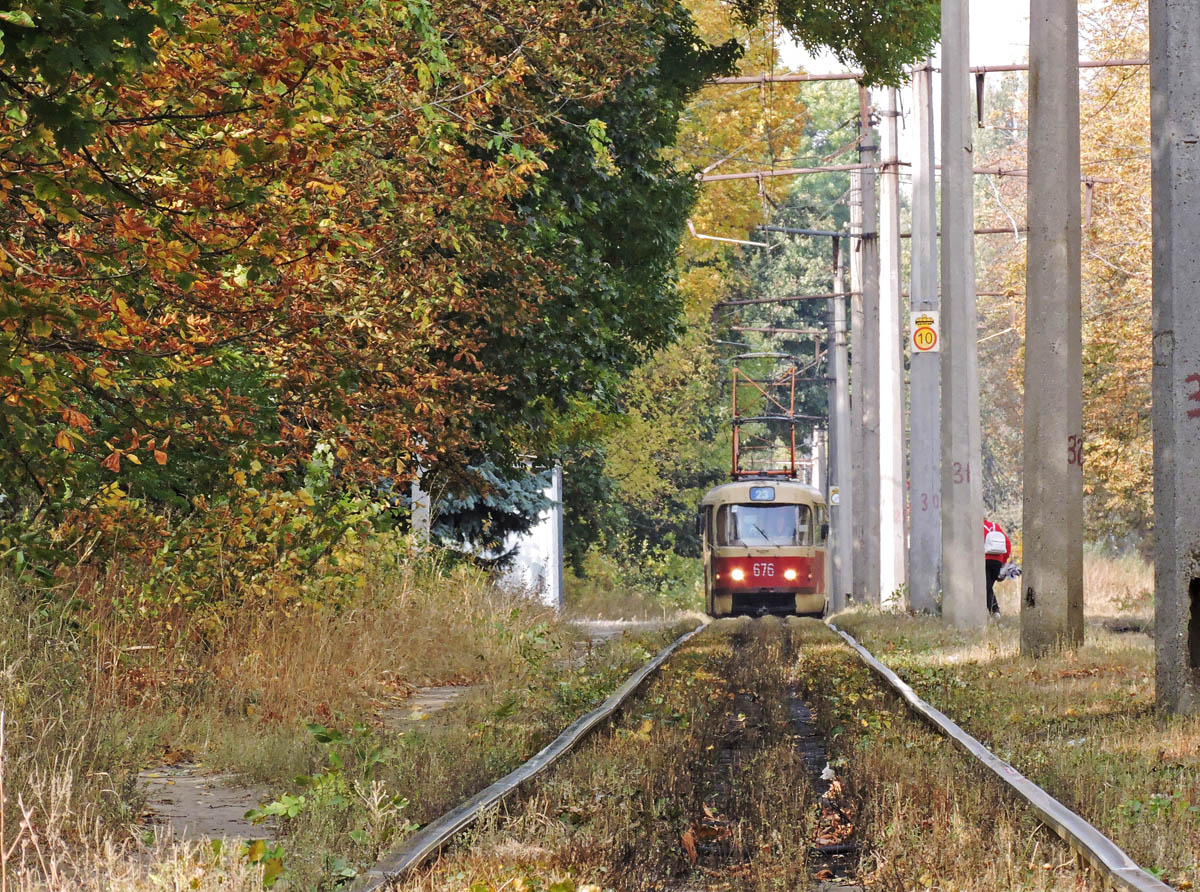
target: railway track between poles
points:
(752, 754)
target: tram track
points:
(720, 776)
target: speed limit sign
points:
(925, 335)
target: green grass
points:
(660, 588)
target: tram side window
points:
(822, 524)
(763, 525)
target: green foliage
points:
(497, 504)
(269, 857)
(634, 580)
(607, 211)
(346, 787)
(802, 264)
(671, 443)
(880, 37)
(47, 45)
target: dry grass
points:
(932, 819)
(410, 625)
(54, 842)
(56, 812)
(63, 743)
(1081, 723)
(1113, 587)
(617, 813)
(90, 696)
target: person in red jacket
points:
(996, 552)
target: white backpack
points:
(994, 542)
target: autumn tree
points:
(671, 442)
(372, 229)
(1115, 134)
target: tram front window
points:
(763, 525)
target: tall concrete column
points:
(868, 504)
(924, 464)
(422, 511)
(556, 589)
(839, 430)
(860, 581)
(817, 476)
(1175, 129)
(1052, 507)
(963, 599)
(892, 536)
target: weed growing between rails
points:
(1080, 724)
(699, 787)
(929, 816)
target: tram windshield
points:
(758, 525)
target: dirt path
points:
(193, 802)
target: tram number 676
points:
(764, 570)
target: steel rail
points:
(1096, 848)
(433, 836)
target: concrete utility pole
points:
(924, 464)
(963, 598)
(817, 473)
(557, 588)
(422, 511)
(1052, 507)
(839, 429)
(1175, 130)
(858, 563)
(892, 536)
(868, 386)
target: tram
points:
(763, 536)
(763, 541)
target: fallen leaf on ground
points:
(689, 844)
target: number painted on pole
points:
(1075, 450)
(961, 472)
(928, 502)
(1194, 397)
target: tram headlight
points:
(737, 574)
(789, 574)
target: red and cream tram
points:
(763, 542)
